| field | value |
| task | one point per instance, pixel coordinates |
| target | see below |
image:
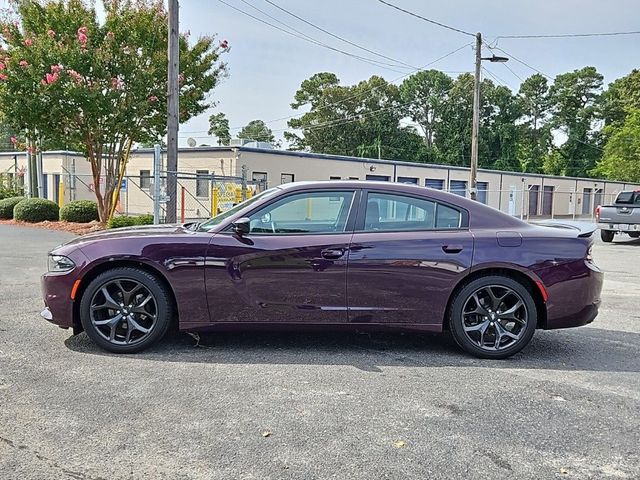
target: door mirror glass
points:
(242, 226)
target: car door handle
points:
(332, 253)
(452, 248)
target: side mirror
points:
(242, 226)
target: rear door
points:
(407, 254)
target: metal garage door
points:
(434, 183)
(482, 191)
(458, 187)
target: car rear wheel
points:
(607, 235)
(493, 317)
(125, 310)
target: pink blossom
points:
(117, 83)
(43, 81)
(153, 99)
(82, 38)
(28, 42)
(77, 78)
(3, 76)
(24, 63)
(14, 140)
(51, 78)
(2, 66)
(181, 78)
(111, 35)
(83, 30)
(56, 68)
(51, 33)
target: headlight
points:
(59, 263)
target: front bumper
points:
(56, 292)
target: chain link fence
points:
(201, 196)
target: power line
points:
(521, 61)
(306, 38)
(425, 18)
(369, 90)
(397, 64)
(573, 35)
(337, 36)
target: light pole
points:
(473, 187)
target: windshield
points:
(212, 222)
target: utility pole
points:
(172, 112)
(473, 184)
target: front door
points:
(406, 256)
(292, 265)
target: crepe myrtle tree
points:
(99, 86)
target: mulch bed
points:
(77, 228)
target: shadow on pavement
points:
(583, 349)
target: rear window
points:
(629, 198)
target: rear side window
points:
(388, 212)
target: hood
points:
(128, 232)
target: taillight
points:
(589, 257)
(598, 212)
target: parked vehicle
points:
(352, 254)
(621, 217)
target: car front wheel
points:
(125, 310)
(493, 317)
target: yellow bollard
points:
(214, 200)
(61, 194)
(238, 194)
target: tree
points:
(535, 136)
(360, 120)
(99, 86)
(573, 98)
(424, 96)
(219, 126)
(257, 130)
(621, 158)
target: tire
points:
(473, 323)
(634, 234)
(607, 235)
(131, 326)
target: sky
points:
(266, 66)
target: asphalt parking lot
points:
(306, 406)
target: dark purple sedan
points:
(337, 254)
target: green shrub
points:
(36, 210)
(6, 206)
(130, 221)
(80, 211)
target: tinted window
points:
(311, 212)
(628, 198)
(447, 217)
(386, 212)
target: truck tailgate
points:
(628, 214)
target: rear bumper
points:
(574, 294)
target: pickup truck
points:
(621, 217)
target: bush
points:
(130, 221)
(36, 210)
(79, 211)
(6, 206)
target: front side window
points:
(310, 212)
(388, 212)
